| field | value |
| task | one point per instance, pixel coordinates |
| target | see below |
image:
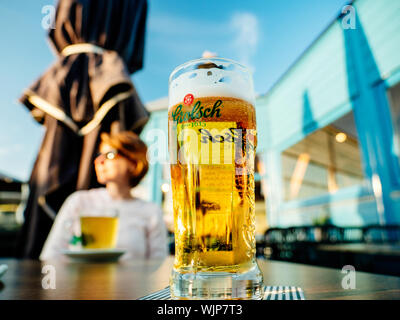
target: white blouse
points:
(141, 232)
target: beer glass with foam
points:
(212, 144)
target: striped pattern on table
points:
(163, 294)
(283, 293)
(270, 293)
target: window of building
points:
(323, 162)
(394, 98)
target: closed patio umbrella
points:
(87, 91)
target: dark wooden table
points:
(133, 279)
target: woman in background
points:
(120, 166)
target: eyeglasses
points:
(110, 155)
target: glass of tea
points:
(99, 229)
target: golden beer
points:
(213, 207)
(212, 142)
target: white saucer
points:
(95, 255)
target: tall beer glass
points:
(212, 142)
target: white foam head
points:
(228, 79)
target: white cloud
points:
(246, 27)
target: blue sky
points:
(266, 35)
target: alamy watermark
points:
(349, 18)
(349, 280)
(198, 143)
(49, 279)
(48, 21)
